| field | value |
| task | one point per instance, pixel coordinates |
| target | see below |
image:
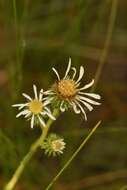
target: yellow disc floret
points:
(57, 145)
(66, 88)
(35, 106)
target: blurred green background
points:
(34, 37)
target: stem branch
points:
(11, 184)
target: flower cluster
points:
(53, 145)
(65, 93)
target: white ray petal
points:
(46, 98)
(49, 92)
(43, 113)
(62, 109)
(75, 71)
(18, 105)
(87, 85)
(77, 85)
(24, 112)
(23, 106)
(89, 100)
(32, 121)
(41, 95)
(48, 101)
(35, 91)
(41, 121)
(83, 111)
(56, 72)
(50, 116)
(27, 96)
(81, 73)
(47, 109)
(96, 96)
(27, 115)
(60, 151)
(76, 110)
(88, 106)
(68, 69)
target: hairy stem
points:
(73, 156)
(11, 184)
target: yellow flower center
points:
(35, 106)
(66, 88)
(57, 145)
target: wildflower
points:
(53, 145)
(67, 92)
(35, 109)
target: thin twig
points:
(73, 156)
(13, 181)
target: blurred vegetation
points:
(36, 35)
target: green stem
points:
(124, 188)
(73, 156)
(11, 184)
(112, 19)
(17, 65)
(23, 28)
(16, 30)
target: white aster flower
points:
(35, 108)
(68, 93)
